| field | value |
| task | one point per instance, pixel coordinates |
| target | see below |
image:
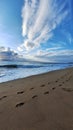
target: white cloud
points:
(40, 18)
(53, 54)
(8, 54)
(4, 49)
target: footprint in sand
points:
(56, 81)
(67, 89)
(60, 84)
(67, 80)
(47, 92)
(53, 88)
(20, 104)
(21, 92)
(34, 96)
(48, 82)
(43, 85)
(31, 88)
(3, 97)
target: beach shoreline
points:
(42, 73)
(38, 102)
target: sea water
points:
(11, 70)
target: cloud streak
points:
(40, 19)
(55, 55)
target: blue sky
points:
(39, 30)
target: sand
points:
(42, 102)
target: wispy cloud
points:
(54, 55)
(40, 19)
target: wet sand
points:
(41, 102)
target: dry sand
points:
(42, 102)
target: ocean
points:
(11, 70)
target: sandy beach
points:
(41, 102)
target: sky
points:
(37, 30)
